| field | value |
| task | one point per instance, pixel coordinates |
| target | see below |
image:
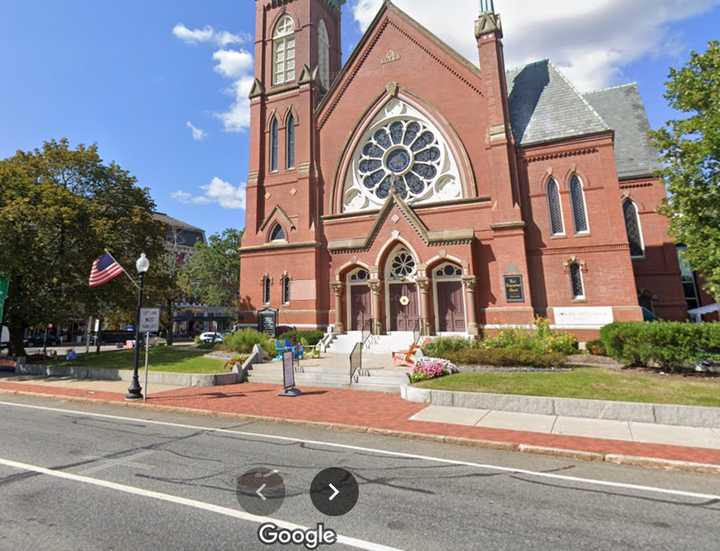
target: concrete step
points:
(396, 341)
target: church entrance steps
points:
(333, 371)
(396, 341)
(344, 344)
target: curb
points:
(565, 453)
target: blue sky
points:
(115, 74)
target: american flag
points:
(104, 270)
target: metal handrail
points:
(356, 363)
(416, 332)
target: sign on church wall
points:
(583, 316)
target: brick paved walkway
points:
(370, 411)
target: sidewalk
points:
(339, 409)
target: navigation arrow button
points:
(335, 492)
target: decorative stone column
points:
(376, 289)
(338, 287)
(424, 285)
(469, 284)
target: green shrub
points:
(542, 340)
(669, 345)
(311, 338)
(506, 357)
(596, 348)
(439, 348)
(242, 342)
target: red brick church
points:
(411, 189)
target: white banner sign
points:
(583, 316)
(150, 320)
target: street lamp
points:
(135, 390)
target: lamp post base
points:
(134, 392)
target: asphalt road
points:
(79, 477)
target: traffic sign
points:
(149, 320)
(4, 286)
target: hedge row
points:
(505, 357)
(668, 345)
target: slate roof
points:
(175, 223)
(624, 111)
(545, 106)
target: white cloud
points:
(236, 65)
(198, 134)
(590, 41)
(233, 63)
(218, 191)
(207, 34)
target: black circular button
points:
(334, 492)
(260, 491)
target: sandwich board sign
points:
(289, 390)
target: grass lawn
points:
(588, 383)
(162, 358)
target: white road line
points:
(440, 460)
(241, 515)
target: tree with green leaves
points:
(690, 147)
(211, 275)
(61, 208)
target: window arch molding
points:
(450, 137)
(290, 140)
(576, 185)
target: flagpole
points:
(123, 269)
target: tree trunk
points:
(17, 338)
(169, 337)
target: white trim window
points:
(278, 233)
(633, 228)
(290, 142)
(274, 144)
(557, 223)
(284, 51)
(576, 282)
(579, 206)
(286, 289)
(266, 285)
(324, 54)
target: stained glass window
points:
(556, 217)
(632, 225)
(403, 265)
(286, 289)
(577, 195)
(277, 233)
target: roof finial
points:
(487, 6)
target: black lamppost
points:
(135, 390)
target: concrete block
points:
(570, 407)
(523, 404)
(442, 398)
(593, 428)
(689, 416)
(626, 411)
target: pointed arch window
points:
(324, 54)
(278, 233)
(266, 289)
(557, 225)
(274, 145)
(634, 232)
(284, 51)
(577, 195)
(290, 142)
(286, 289)
(576, 281)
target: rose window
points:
(402, 155)
(401, 150)
(403, 265)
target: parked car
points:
(211, 338)
(37, 341)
